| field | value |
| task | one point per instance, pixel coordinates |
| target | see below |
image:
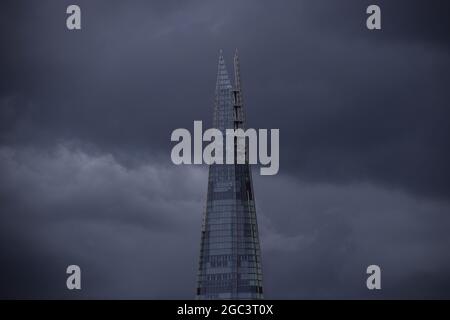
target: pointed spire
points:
(223, 80)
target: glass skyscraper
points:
(230, 258)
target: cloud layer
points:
(85, 123)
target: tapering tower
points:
(230, 258)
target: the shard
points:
(230, 258)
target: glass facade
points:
(230, 258)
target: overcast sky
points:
(85, 123)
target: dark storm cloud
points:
(134, 232)
(351, 105)
(319, 239)
(85, 121)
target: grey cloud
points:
(85, 121)
(351, 105)
(135, 232)
(131, 231)
(319, 239)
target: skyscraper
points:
(230, 258)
